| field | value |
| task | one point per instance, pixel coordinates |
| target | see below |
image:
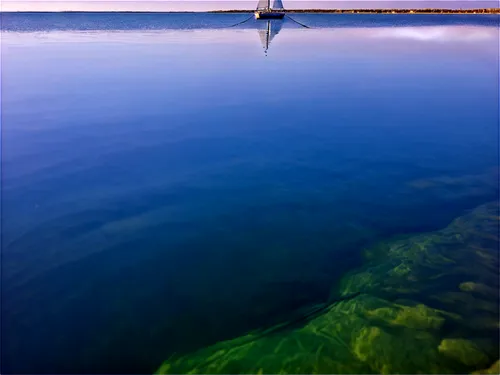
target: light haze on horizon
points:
(206, 5)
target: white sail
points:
(263, 4)
(277, 4)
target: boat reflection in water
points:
(272, 28)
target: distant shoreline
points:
(380, 11)
(325, 11)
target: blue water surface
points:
(169, 182)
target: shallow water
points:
(168, 184)
(427, 303)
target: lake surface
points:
(168, 183)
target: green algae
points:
(477, 287)
(493, 369)
(418, 317)
(464, 351)
(344, 340)
(419, 304)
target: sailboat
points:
(265, 11)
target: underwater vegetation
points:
(423, 304)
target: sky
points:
(204, 5)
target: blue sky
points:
(201, 5)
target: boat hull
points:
(269, 15)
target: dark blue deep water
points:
(167, 183)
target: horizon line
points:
(250, 10)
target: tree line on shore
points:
(392, 11)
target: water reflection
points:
(272, 28)
(416, 33)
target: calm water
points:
(166, 183)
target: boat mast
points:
(268, 4)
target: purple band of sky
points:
(204, 5)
